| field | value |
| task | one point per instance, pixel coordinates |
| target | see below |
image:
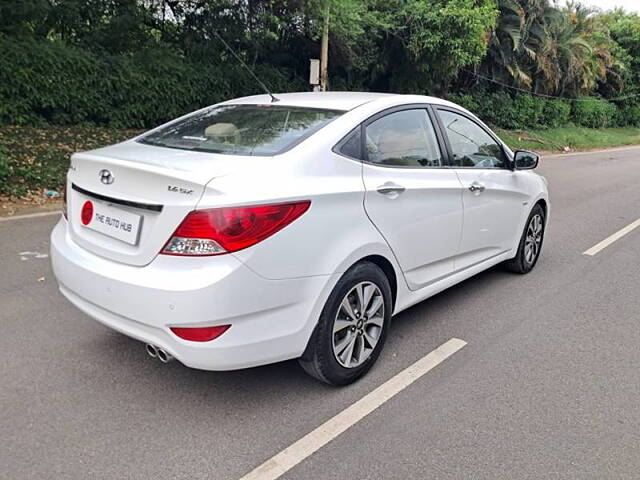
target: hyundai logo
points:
(106, 177)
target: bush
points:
(594, 112)
(556, 113)
(629, 115)
(51, 82)
(465, 101)
(528, 111)
(506, 111)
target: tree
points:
(625, 32)
(550, 50)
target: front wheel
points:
(352, 327)
(530, 243)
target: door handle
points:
(389, 188)
(476, 187)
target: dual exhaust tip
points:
(160, 354)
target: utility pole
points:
(324, 52)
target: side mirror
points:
(524, 160)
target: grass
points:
(570, 138)
(33, 159)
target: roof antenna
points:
(264, 87)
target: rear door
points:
(411, 197)
(493, 195)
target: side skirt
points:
(410, 298)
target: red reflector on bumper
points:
(87, 212)
(200, 334)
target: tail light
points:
(200, 334)
(223, 230)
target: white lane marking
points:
(310, 443)
(26, 255)
(30, 215)
(609, 240)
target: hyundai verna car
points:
(256, 231)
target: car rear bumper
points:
(271, 320)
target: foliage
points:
(430, 41)
(136, 63)
(551, 50)
(628, 115)
(625, 32)
(516, 111)
(555, 113)
(594, 113)
(44, 81)
(32, 159)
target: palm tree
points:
(513, 46)
(549, 50)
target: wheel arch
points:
(543, 203)
(387, 268)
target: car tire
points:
(530, 243)
(346, 342)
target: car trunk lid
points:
(138, 195)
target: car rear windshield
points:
(242, 129)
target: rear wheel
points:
(352, 327)
(530, 243)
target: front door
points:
(493, 194)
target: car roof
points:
(331, 100)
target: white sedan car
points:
(256, 231)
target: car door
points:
(494, 197)
(411, 197)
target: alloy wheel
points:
(358, 324)
(533, 240)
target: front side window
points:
(471, 146)
(242, 129)
(403, 139)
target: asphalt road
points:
(547, 387)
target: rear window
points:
(242, 129)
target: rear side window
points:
(403, 139)
(242, 129)
(352, 145)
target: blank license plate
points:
(114, 222)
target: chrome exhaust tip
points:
(163, 356)
(151, 350)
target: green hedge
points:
(595, 113)
(629, 115)
(556, 113)
(527, 111)
(50, 82)
(516, 112)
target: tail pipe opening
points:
(151, 350)
(163, 356)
